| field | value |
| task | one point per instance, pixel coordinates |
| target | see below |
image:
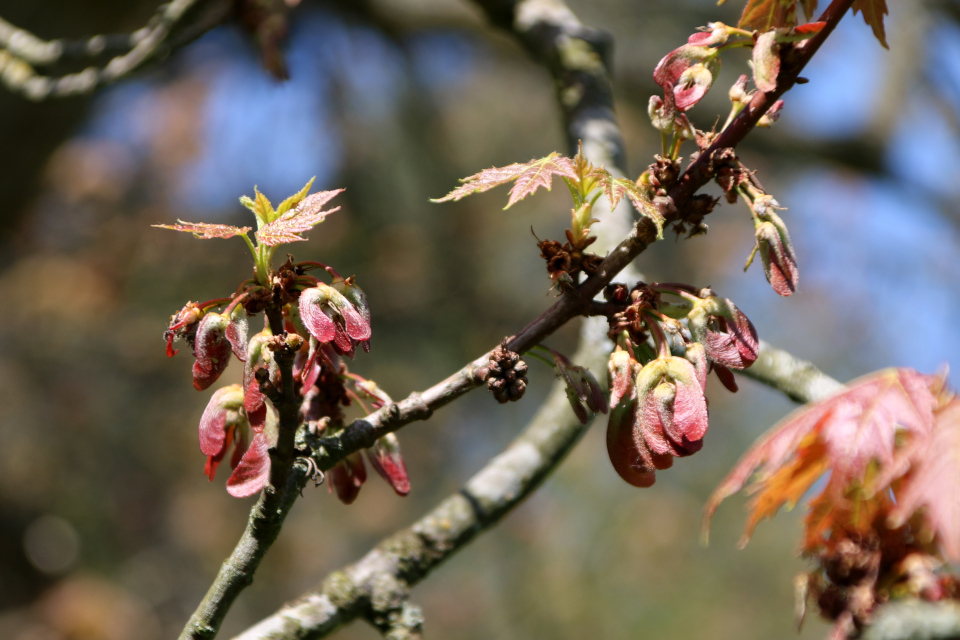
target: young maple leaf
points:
(843, 434)
(933, 483)
(205, 230)
(615, 189)
(307, 214)
(873, 12)
(527, 178)
(763, 15)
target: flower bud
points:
(212, 350)
(739, 95)
(330, 317)
(766, 61)
(727, 335)
(776, 254)
(386, 459)
(252, 472)
(714, 33)
(221, 414)
(237, 335)
(623, 371)
(668, 71)
(583, 390)
(692, 85)
(662, 114)
(671, 406)
(358, 299)
(772, 115)
(662, 416)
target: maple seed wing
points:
(253, 471)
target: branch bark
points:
(798, 379)
(376, 587)
(174, 25)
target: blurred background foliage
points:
(108, 529)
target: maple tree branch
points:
(266, 518)
(172, 26)
(914, 619)
(571, 64)
(376, 587)
(419, 406)
(579, 59)
(798, 379)
(793, 58)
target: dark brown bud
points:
(506, 374)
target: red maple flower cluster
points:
(658, 403)
(322, 323)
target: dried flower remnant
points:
(506, 374)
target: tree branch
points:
(174, 25)
(363, 433)
(266, 518)
(376, 588)
(798, 379)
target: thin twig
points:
(174, 25)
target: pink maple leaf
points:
(205, 230)
(306, 215)
(527, 178)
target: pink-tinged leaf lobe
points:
(527, 178)
(843, 434)
(307, 214)
(873, 12)
(205, 230)
(933, 484)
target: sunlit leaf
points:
(843, 434)
(306, 215)
(766, 61)
(873, 12)
(809, 8)
(615, 189)
(763, 15)
(527, 178)
(205, 230)
(933, 484)
(295, 199)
